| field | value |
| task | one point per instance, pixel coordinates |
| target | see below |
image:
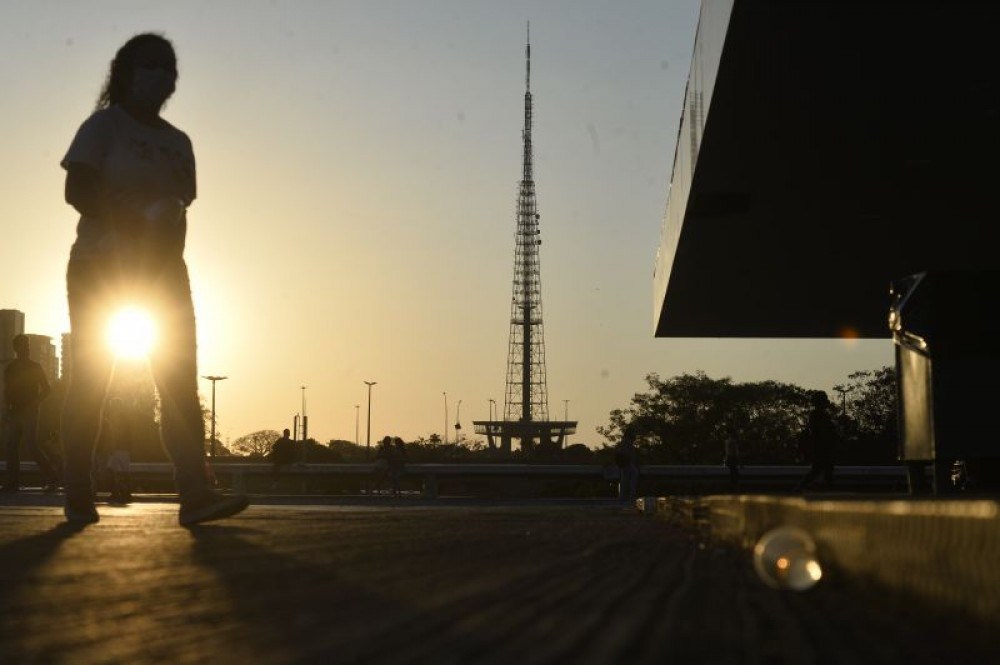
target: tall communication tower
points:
(526, 404)
(527, 395)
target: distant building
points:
(11, 325)
(66, 355)
(43, 352)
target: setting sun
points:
(131, 334)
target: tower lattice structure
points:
(527, 394)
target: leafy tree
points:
(872, 400)
(256, 444)
(431, 449)
(579, 454)
(869, 424)
(688, 418)
(347, 451)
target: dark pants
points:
(628, 482)
(734, 473)
(821, 467)
(22, 425)
(97, 288)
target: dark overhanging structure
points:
(826, 149)
(835, 161)
(526, 402)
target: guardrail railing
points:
(237, 472)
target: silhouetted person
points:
(732, 460)
(733, 426)
(820, 437)
(119, 460)
(626, 459)
(25, 386)
(282, 453)
(397, 463)
(131, 175)
(383, 457)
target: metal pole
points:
(305, 421)
(491, 403)
(213, 379)
(357, 418)
(212, 437)
(445, 417)
(305, 427)
(368, 434)
(566, 410)
(458, 422)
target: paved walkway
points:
(463, 584)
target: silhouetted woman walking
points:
(131, 175)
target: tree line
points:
(686, 419)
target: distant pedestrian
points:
(131, 176)
(119, 462)
(733, 427)
(281, 454)
(25, 386)
(732, 460)
(820, 439)
(397, 464)
(626, 459)
(384, 459)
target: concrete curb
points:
(946, 552)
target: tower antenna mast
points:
(526, 395)
(526, 400)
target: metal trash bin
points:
(946, 330)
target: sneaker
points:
(211, 506)
(80, 512)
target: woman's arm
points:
(83, 189)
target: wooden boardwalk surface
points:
(380, 584)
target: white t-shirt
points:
(139, 165)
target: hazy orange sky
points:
(357, 167)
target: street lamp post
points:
(305, 419)
(493, 403)
(368, 434)
(305, 426)
(213, 379)
(357, 419)
(445, 416)
(566, 410)
(458, 422)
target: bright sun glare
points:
(131, 334)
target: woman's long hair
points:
(120, 73)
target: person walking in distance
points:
(820, 437)
(119, 461)
(131, 176)
(626, 459)
(282, 454)
(25, 386)
(397, 465)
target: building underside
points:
(826, 149)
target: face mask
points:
(151, 87)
